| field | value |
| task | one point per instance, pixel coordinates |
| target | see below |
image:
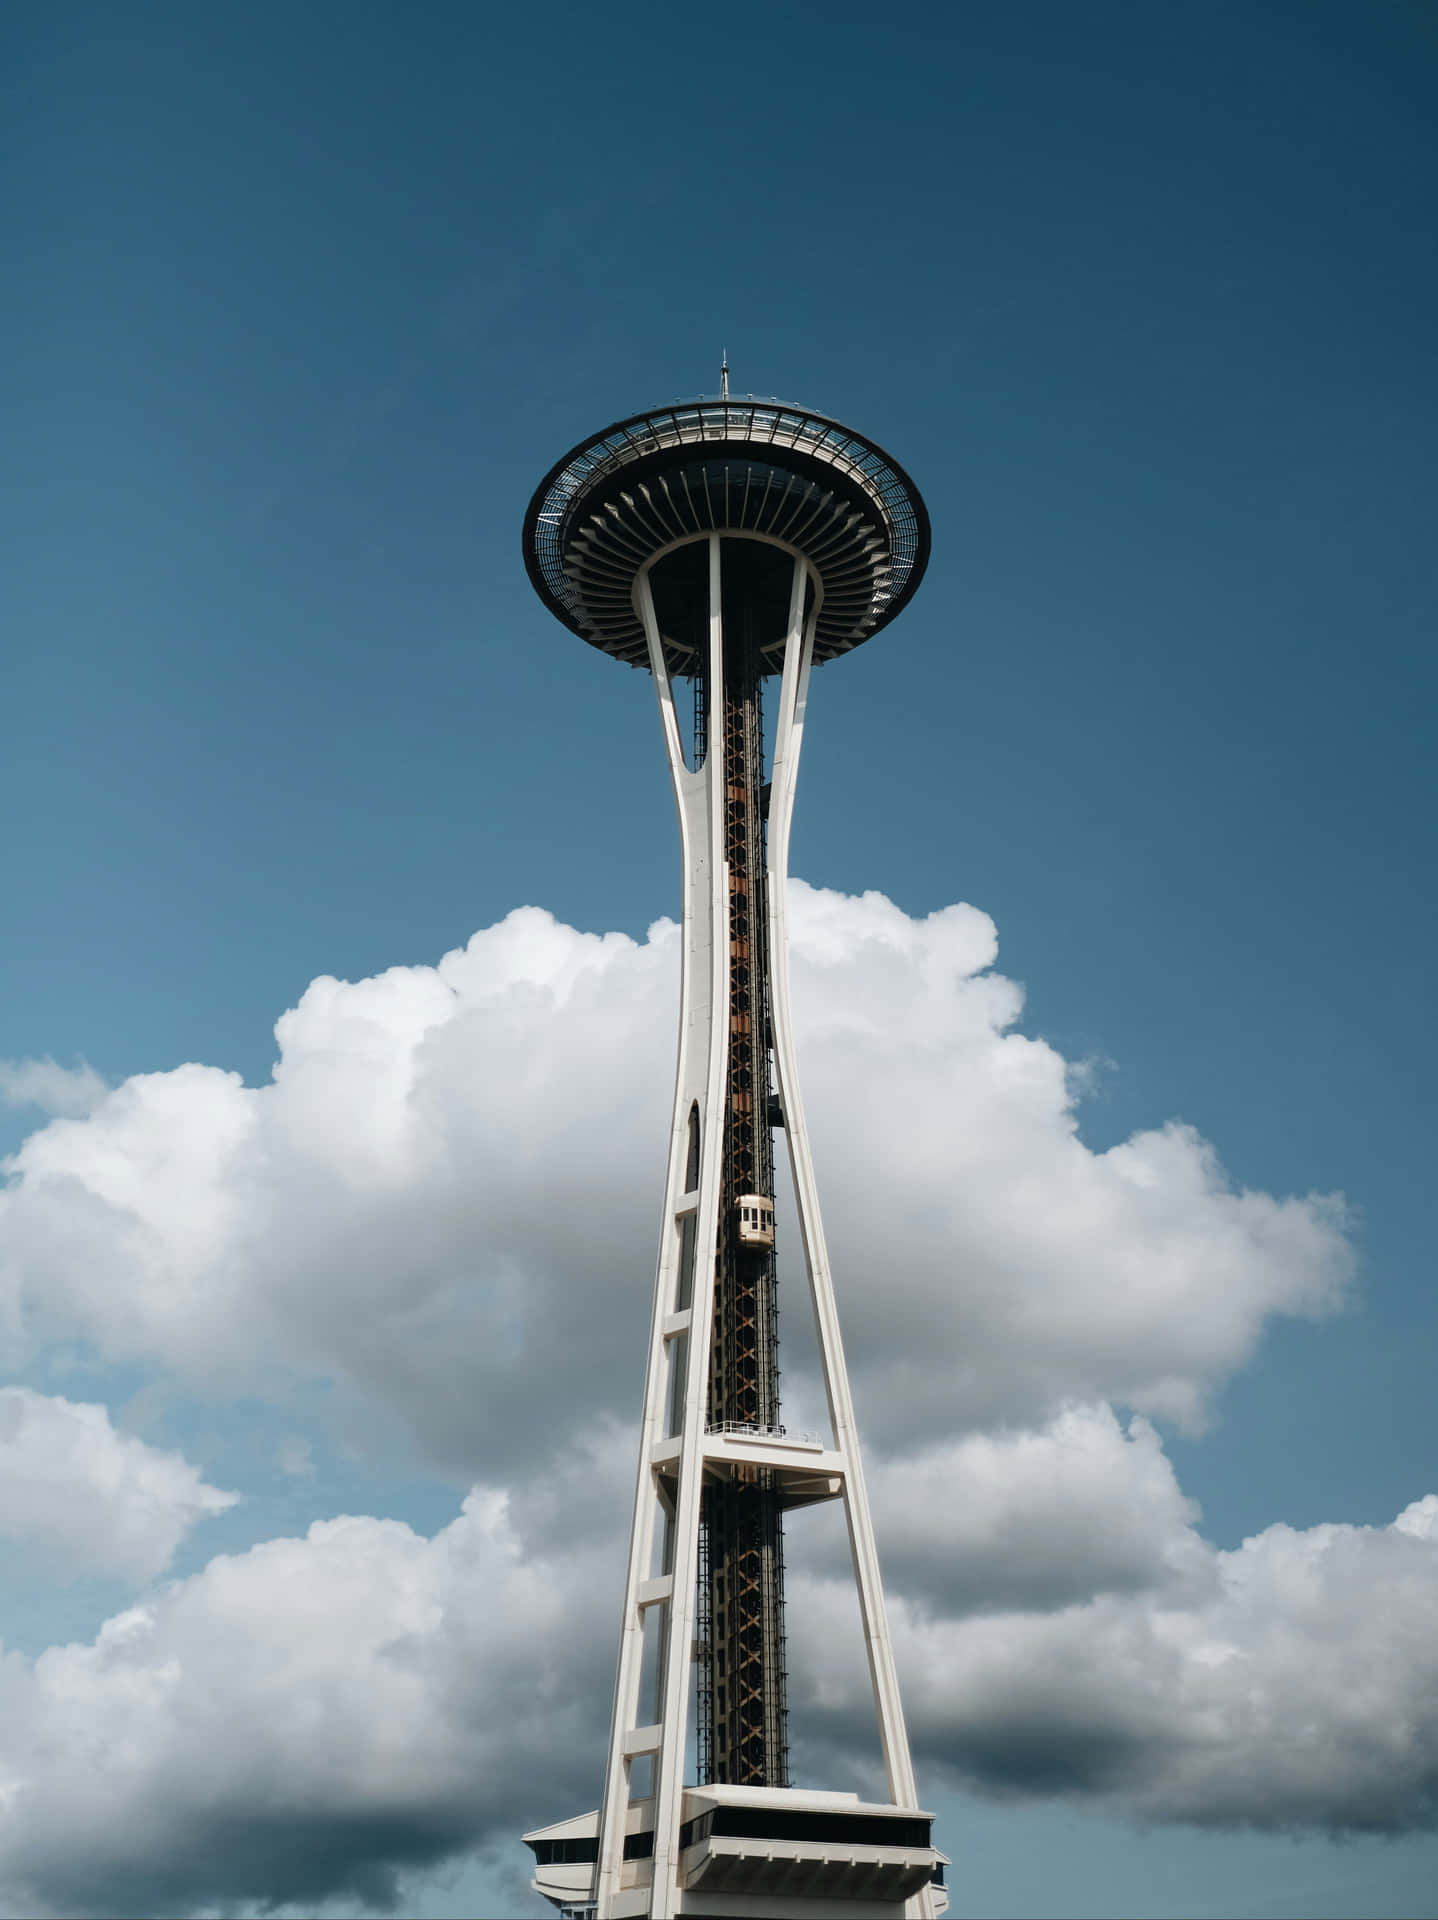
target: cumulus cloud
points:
(451, 1163)
(1300, 1691)
(45, 1084)
(970, 1221)
(1290, 1683)
(443, 1208)
(80, 1497)
(454, 1163)
(1036, 1519)
(319, 1717)
(311, 1719)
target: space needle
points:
(721, 544)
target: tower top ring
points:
(747, 467)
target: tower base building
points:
(722, 546)
(744, 1850)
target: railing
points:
(746, 1430)
(761, 425)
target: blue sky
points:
(303, 301)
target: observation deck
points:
(750, 467)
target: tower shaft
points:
(740, 1697)
(723, 544)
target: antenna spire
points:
(724, 373)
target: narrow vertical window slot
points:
(678, 1381)
(684, 1284)
(651, 1665)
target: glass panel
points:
(684, 1291)
(678, 1379)
(651, 1667)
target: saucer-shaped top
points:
(732, 466)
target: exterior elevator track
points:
(741, 1691)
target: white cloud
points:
(311, 1718)
(445, 1201)
(79, 1497)
(45, 1084)
(317, 1716)
(1303, 1692)
(1291, 1683)
(991, 1265)
(443, 1209)
(1036, 1520)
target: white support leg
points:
(673, 1341)
(898, 1765)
